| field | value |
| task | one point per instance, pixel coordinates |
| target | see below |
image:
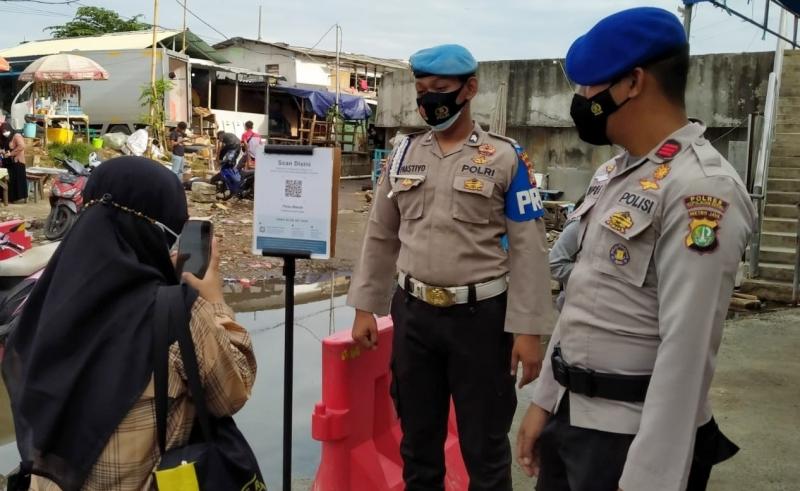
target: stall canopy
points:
(63, 67)
(351, 107)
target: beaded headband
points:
(107, 200)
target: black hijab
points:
(81, 355)
(5, 142)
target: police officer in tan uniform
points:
(623, 402)
(465, 311)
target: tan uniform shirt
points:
(661, 240)
(439, 218)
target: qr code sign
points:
(293, 189)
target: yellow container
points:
(59, 135)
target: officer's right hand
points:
(529, 432)
(365, 329)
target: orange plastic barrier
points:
(357, 424)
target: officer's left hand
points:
(528, 350)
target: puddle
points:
(261, 420)
(268, 294)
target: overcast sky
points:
(492, 29)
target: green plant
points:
(153, 97)
(75, 151)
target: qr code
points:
(293, 189)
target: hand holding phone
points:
(194, 248)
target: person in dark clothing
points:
(227, 142)
(177, 140)
(12, 151)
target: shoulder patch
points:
(705, 214)
(523, 201)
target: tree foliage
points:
(93, 21)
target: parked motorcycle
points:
(231, 180)
(20, 267)
(66, 199)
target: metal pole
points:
(259, 22)
(288, 372)
(154, 55)
(183, 50)
(236, 95)
(687, 19)
(338, 88)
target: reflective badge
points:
(480, 159)
(619, 255)
(648, 184)
(621, 221)
(487, 149)
(668, 150)
(705, 214)
(473, 185)
(661, 172)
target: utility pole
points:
(687, 18)
(153, 99)
(184, 26)
(338, 44)
(259, 22)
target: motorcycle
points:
(231, 180)
(66, 199)
(21, 267)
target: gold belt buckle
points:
(439, 297)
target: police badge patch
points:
(705, 214)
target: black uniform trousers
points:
(460, 351)
(582, 459)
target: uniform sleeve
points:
(529, 309)
(563, 253)
(225, 357)
(371, 286)
(545, 390)
(704, 234)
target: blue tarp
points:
(791, 5)
(351, 107)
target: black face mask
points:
(591, 116)
(439, 109)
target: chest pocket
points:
(472, 199)
(626, 244)
(410, 196)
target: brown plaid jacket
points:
(228, 371)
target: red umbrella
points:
(63, 67)
(4, 66)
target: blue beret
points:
(447, 60)
(623, 41)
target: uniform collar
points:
(475, 139)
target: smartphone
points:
(194, 247)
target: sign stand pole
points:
(289, 258)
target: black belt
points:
(628, 388)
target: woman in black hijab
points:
(79, 367)
(12, 146)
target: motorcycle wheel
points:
(223, 191)
(58, 223)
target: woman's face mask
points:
(440, 109)
(590, 115)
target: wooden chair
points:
(36, 185)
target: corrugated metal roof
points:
(110, 42)
(122, 40)
(231, 69)
(320, 53)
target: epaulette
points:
(512, 141)
(707, 154)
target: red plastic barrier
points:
(357, 424)
(15, 230)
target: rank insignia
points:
(407, 182)
(487, 149)
(480, 159)
(473, 138)
(611, 168)
(661, 172)
(648, 184)
(621, 221)
(473, 185)
(668, 150)
(442, 112)
(619, 255)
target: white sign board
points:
(295, 199)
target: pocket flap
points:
(626, 223)
(474, 185)
(405, 183)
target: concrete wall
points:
(723, 89)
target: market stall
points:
(56, 103)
